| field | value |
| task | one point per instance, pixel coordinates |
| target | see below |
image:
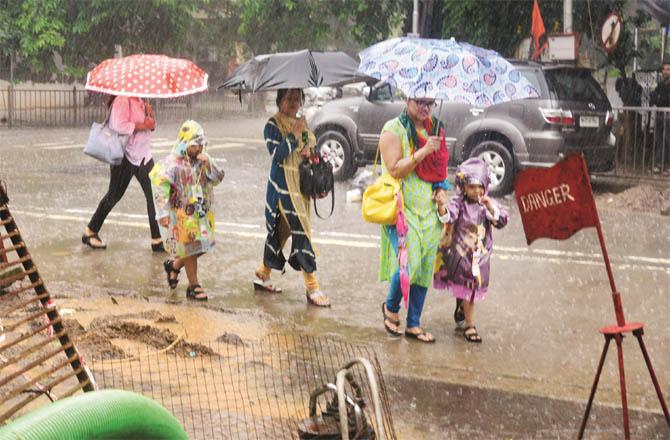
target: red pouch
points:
(433, 168)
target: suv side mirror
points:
(366, 92)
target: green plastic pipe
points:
(105, 414)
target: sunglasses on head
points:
(424, 103)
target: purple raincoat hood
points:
(473, 170)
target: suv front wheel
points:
(501, 166)
(336, 147)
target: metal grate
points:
(37, 357)
(241, 390)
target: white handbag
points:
(106, 144)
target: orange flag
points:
(539, 34)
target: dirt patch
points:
(92, 344)
(159, 338)
(101, 334)
(640, 198)
(166, 319)
(230, 338)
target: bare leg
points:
(191, 265)
(194, 290)
(471, 334)
(177, 264)
(469, 309)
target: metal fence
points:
(643, 142)
(254, 390)
(77, 107)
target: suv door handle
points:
(476, 111)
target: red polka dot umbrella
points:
(147, 76)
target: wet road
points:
(539, 324)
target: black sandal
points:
(86, 239)
(473, 336)
(193, 293)
(158, 247)
(168, 265)
(459, 314)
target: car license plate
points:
(588, 121)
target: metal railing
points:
(78, 107)
(643, 142)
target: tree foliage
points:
(625, 51)
(283, 25)
(87, 32)
(502, 24)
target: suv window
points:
(534, 77)
(385, 93)
(574, 85)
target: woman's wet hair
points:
(282, 92)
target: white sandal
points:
(313, 296)
(265, 286)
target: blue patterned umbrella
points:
(445, 70)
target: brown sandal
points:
(387, 319)
(418, 336)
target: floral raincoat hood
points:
(473, 171)
(184, 192)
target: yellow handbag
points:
(380, 200)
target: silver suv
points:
(571, 114)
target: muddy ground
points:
(638, 198)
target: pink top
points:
(126, 112)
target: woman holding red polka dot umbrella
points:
(127, 80)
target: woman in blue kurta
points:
(287, 213)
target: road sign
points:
(610, 32)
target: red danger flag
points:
(556, 202)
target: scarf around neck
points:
(417, 138)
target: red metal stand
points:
(617, 332)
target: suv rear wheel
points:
(500, 163)
(336, 146)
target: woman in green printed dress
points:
(400, 156)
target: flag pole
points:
(616, 297)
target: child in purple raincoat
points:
(463, 263)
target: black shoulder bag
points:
(316, 180)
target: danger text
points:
(548, 197)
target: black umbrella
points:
(294, 70)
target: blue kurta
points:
(277, 195)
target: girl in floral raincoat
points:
(183, 193)
(463, 263)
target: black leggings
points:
(119, 179)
